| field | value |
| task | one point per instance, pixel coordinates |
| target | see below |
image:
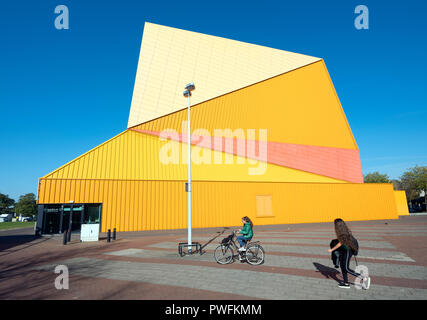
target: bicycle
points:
(224, 254)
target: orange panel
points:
(119, 157)
(401, 202)
(217, 204)
(299, 107)
(338, 163)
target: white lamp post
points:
(187, 93)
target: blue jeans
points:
(242, 240)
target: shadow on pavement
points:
(10, 239)
(19, 279)
(327, 272)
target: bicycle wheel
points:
(255, 254)
(223, 254)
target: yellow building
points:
(270, 140)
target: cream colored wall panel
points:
(170, 58)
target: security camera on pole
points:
(187, 93)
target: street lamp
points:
(187, 93)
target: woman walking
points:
(346, 246)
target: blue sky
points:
(63, 92)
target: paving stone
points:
(277, 284)
(314, 250)
(324, 242)
(375, 269)
(297, 278)
(285, 235)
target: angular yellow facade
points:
(135, 156)
(132, 205)
(285, 152)
(401, 203)
(298, 107)
(171, 57)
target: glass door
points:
(66, 218)
(59, 218)
(51, 219)
(76, 217)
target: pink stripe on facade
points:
(338, 163)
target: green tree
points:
(376, 177)
(26, 205)
(6, 204)
(414, 181)
(397, 184)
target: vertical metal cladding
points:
(291, 202)
(127, 156)
(169, 57)
(127, 205)
(136, 156)
(139, 192)
(401, 203)
(280, 104)
(131, 205)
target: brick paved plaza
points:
(145, 265)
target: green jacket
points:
(247, 231)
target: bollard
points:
(64, 240)
(114, 234)
(109, 235)
(69, 235)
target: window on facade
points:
(92, 214)
(264, 206)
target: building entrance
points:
(58, 218)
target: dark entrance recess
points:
(58, 218)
